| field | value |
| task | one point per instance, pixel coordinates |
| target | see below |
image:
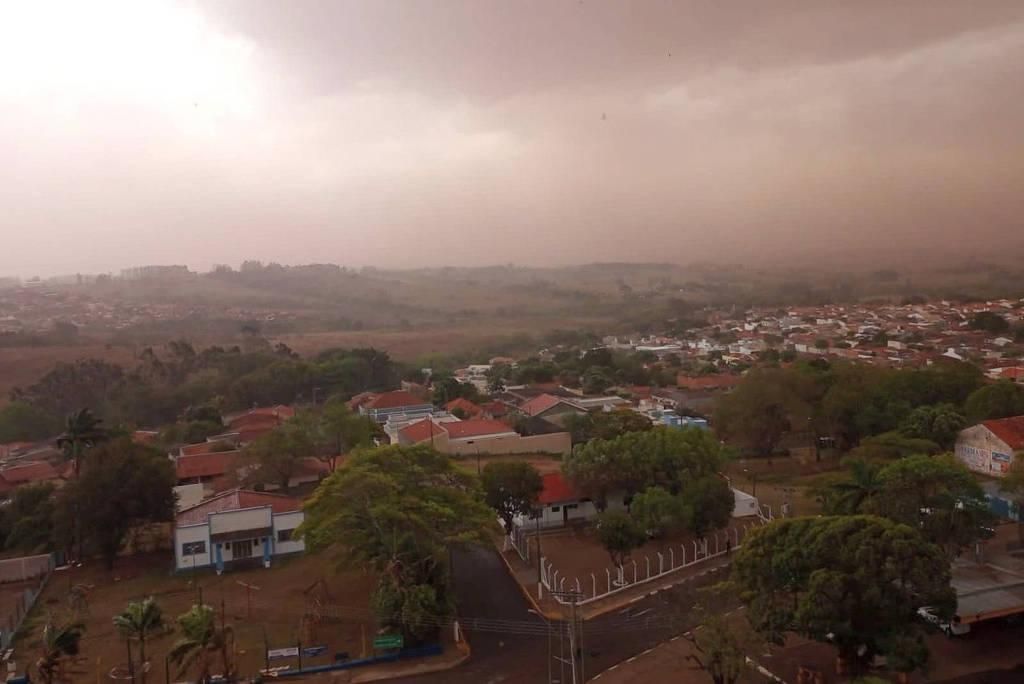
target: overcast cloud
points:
(479, 132)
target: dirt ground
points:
(273, 619)
(575, 552)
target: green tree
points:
(201, 642)
(277, 456)
(398, 511)
(892, 445)
(139, 621)
(82, 431)
(22, 422)
(59, 642)
(708, 503)
(596, 380)
(447, 388)
(410, 609)
(511, 489)
(940, 423)
(1002, 399)
(850, 496)
(124, 485)
(722, 644)
(853, 581)
(620, 534)
(937, 495)
(906, 653)
(69, 386)
(767, 404)
(990, 322)
(657, 511)
(341, 431)
(26, 523)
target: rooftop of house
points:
(1010, 430)
(236, 500)
(465, 405)
(542, 403)
(28, 472)
(212, 464)
(476, 427)
(394, 399)
(556, 489)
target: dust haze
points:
(407, 134)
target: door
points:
(241, 549)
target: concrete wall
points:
(555, 443)
(983, 452)
(189, 495)
(553, 515)
(25, 568)
(288, 521)
(246, 519)
(745, 505)
(192, 533)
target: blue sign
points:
(313, 650)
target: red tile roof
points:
(202, 448)
(540, 404)
(145, 436)
(1010, 430)
(205, 465)
(360, 399)
(556, 489)
(1014, 372)
(495, 408)
(420, 431)
(469, 408)
(31, 471)
(477, 427)
(395, 399)
(236, 500)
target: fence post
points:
(634, 572)
(661, 564)
(609, 573)
(622, 576)
(695, 552)
(593, 579)
(683, 547)
(648, 559)
(578, 590)
(716, 543)
(736, 536)
(671, 559)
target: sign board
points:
(290, 652)
(313, 650)
(388, 641)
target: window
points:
(570, 507)
(284, 535)
(193, 548)
(556, 509)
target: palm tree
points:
(201, 640)
(82, 431)
(59, 642)
(851, 495)
(139, 621)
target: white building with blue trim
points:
(237, 527)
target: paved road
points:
(510, 644)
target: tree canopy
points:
(999, 400)
(854, 581)
(397, 510)
(511, 488)
(620, 534)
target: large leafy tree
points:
(82, 431)
(853, 581)
(936, 494)
(60, 641)
(340, 430)
(657, 511)
(892, 445)
(851, 494)
(139, 621)
(123, 485)
(69, 386)
(277, 456)
(940, 423)
(202, 642)
(708, 503)
(511, 489)
(767, 404)
(398, 511)
(999, 400)
(635, 461)
(21, 422)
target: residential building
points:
(551, 407)
(482, 436)
(989, 447)
(380, 406)
(235, 527)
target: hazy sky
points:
(446, 132)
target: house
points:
(206, 468)
(550, 407)
(482, 436)
(235, 527)
(27, 472)
(252, 424)
(989, 447)
(380, 406)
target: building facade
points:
(989, 447)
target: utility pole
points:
(575, 635)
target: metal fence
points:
(644, 569)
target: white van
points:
(950, 629)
